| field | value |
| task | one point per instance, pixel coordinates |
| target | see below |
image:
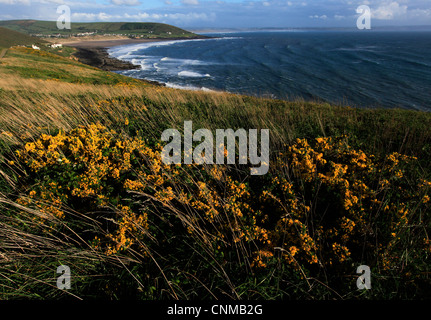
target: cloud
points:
(190, 2)
(30, 2)
(420, 13)
(144, 16)
(27, 2)
(82, 16)
(389, 11)
(227, 13)
(323, 17)
(52, 1)
(126, 2)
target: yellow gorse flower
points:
(286, 215)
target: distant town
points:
(149, 34)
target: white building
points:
(35, 47)
(56, 45)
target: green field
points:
(9, 38)
(82, 184)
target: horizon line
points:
(242, 28)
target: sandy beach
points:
(104, 43)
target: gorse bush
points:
(213, 231)
(359, 206)
(82, 184)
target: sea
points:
(385, 69)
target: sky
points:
(226, 13)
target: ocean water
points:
(363, 69)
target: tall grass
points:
(180, 254)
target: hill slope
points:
(148, 29)
(9, 38)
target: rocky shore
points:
(95, 53)
(98, 57)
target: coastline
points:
(95, 53)
(98, 57)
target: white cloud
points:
(30, 2)
(389, 11)
(190, 2)
(323, 17)
(15, 2)
(103, 16)
(51, 1)
(81, 16)
(266, 3)
(420, 13)
(144, 16)
(126, 2)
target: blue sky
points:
(227, 13)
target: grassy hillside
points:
(27, 63)
(82, 184)
(9, 38)
(151, 30)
